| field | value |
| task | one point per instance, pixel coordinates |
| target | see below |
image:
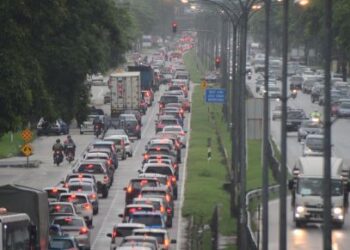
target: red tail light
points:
(132, 210)
(114, 234)
(58, 207)
(173, 179)
(129, 190)
(109, 162)
(181, 111)
(147, 94)
(93, 196)
(68, 219)
(182, 133)
(167, 197)
(145, 157)
(105, 179)
(166, 242)
(54, 190)
(84, 230)
(87, 206)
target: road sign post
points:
(27, 149)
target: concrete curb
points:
(20, 164)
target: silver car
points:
(313, 145)
(75, 226)
(344, 109)
(82, 205)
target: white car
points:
(127, 143)
(87, 126)
(177, 129)
(162, 236)
(81, 203)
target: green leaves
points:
(46, 50)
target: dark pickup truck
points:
(294, 119)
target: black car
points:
(132, 128)
(57, 127)
(294, 119)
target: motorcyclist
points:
(58, 147)
(69, 144)
(98, 126)
(315, 116)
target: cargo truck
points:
(24, 218)
(125, 92)
(147, 77)
(307, 190)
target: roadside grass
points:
(10, 148)
(193, 66)
(205, 179)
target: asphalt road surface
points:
(311, 237)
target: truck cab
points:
(307, 187)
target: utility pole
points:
(266, 134)
(327, 203)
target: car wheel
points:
(105, 192)
(299, 224)
(95, 211)
(299, 139)
(89, 223)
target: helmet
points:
(58, 141)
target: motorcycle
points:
(70, 153)
(57, 157)
(249, 75)
(97, 130)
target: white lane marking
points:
(183, 178)
(111, 207)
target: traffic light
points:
(217, 62)
(174, 25)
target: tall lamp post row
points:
(238, 114)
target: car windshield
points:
(169, 99)
(172, 129)
(69, 222)
(138, 184)
(274, 88)
(159, 170)
(75, 199)
(123, 231)
(91, 169)
(314, 143)
(54, 193)
(61, 244)
(147, 219)
(345, 105)
(295, 115)
(80, 188)
(313, 187)
(60, 208)
(117, 142)
(310, 124)
(155, 204)
(158, 236)
(169, 122)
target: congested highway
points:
(309, 237)
(49, 175)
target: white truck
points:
(307, 188)
(125, 92)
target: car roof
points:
(160, 188)
(96, 154)
(77, 217)
(75, 193)
(157, 165)
(55, 203)
(318, 136)
(102, 143)
(153, 174)
(152, 230)
(139, 205)
(127, 224)
(58, 188)
(158, 213)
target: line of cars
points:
(150, 196)
(74, 202)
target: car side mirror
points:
(291, 184)
(109, 235)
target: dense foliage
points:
(306, 28)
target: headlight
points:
(300, 209)
(337, 210)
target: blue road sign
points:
(215, 95)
